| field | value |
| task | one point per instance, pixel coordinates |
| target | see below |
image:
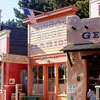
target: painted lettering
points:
(60, 42)
(51, 24)
(32, 47)
(86, 35)
(96, 34)
(42, 45)
(49, 44)
(58, 23)
(49, 35)
(45, 25)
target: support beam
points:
(68, 55)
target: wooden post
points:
(97, 92)
(45, 82)
(56, 79)
(29, 80)
(16, 91)
(2, 76)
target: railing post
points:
(16, 92)
(97, 92)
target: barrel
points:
(21, 96)
(13, 96)
(20, 88)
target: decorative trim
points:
(9, 58)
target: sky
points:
(7, 9)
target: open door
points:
(23, 79)
(93, 74)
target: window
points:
(62, 78)
(37, 86)
(51, 78)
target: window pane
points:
(49, 85)
(51, 78)
(40, 72)
(34, 73)
(37, 80)
(62, 79)
(34, 79)
(40, 80)
(49, 72)
(53, 84)
(61, 72)
(53, 72)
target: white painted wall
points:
(3, 44)
(94, 8)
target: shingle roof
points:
(81, 47)
(18, 40)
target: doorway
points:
(93, 74)
(23, 79)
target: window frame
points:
(37, 80)
(65, 78)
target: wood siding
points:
(48, 37)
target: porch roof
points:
(81, 47)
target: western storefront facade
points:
(13, 62)
(83, 54)
(47, 70)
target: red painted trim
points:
(53, 14)
(33, 57)
(8, 45)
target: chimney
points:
(0, 19)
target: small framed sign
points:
(11, 81)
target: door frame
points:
(88, 74)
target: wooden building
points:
(83, 56)
(13, 42)
(47, 69)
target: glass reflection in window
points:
(37, 80)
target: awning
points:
(81, 47)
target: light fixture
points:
(86, 27)
(73, 28)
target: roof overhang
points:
(62, 11)
(4, 32)
(81, 47)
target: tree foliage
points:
(83, 8)
(45, 6)
(11, 23)
(40, 5)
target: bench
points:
(31, 97)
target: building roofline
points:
(53, 13)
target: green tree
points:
(49, 5)
(83, 8)
(40, 5)
(11, 23)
